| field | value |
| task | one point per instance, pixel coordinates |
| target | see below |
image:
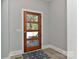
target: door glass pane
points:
(31, 35)
(32, 43)
(32, 39)
(32, 26)
(35, 18)
(32, 18)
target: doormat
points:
(40, 54)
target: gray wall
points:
(57, 24)
(12, 20)
(54, 27)
(15, 20)
(4, 29)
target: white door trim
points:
(23, 26)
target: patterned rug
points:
(36, 55)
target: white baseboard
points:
(18, 52)
(5, 58)
(45, 46)
(56, 48)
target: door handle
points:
(39, 35)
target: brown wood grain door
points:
(32, 31)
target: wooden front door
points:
(32, 31)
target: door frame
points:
(23, 27)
